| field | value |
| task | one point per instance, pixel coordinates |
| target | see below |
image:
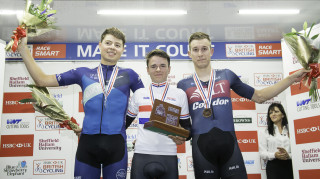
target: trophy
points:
(164, 119)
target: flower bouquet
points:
(301, 46)
(44, 103)
(37, 19)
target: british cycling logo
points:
(262, 119)
(121, 174)
(49, 167)
(44, 123)
(267, 79)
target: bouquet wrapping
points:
(44, 103)
(302, 47)
(37, 19)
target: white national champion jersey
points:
(140, 106)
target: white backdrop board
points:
(49, 151)
(304, 120)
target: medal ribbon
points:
(206, 97)
(164, 92)
(107, 90)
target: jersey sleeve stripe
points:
(131, 114)
(185, 116)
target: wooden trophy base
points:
(166, 129)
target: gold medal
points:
(207, 112)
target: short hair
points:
(115, 32)
(158, 53)
(198, 36)
(270, 122)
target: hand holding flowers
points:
(37, 19)
(301, 46)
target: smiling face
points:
(158, 69)
(111, 49)
(200, 52)
(276, 115)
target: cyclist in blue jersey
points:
(215, 150)
(106, 90)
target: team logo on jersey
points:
(196, 93)
(216, 102)
(121, 174)
(220, 90)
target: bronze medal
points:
(207, 112)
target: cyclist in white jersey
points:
(155, 155)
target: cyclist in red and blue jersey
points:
(215, 150)
(106, 90)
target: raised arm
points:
(264, 94)
(38, 76)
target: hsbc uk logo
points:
(308, 130)
(16, 145)
(246, 141)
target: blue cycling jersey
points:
(100, 118)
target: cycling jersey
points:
(99, 119)
(215, 150)
(103, 139)
(140, 105)
(221, 101)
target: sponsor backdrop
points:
(304, 122)
(2, 65)
(33, 146)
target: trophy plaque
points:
(164, 119)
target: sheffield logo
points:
(18, 82)
(311, 155)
